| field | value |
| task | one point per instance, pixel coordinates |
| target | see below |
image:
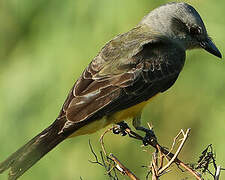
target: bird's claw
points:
(149, 136)
(120, 128)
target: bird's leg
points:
(149, 133)
(120, 128)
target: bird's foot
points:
(120, 128)
(149, 136)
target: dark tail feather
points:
(20, 161)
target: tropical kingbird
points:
(117, 84)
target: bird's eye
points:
(195, 30)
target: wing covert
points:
(129, 69)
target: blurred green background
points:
(44, 47)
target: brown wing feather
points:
(128, 70)
(98, 94)
(109, 71)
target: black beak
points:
(209, 46)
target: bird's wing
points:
(128, 70)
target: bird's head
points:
(182, 23)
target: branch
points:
(153, 142)
(120, 167)
(172, 160)
(157, 167)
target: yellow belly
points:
(130, 112)
(117, 117)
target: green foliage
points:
(44, 47)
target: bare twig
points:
(153, 142)
(117, 164)
(157, 167)
(105, 163)
(96, 157)
(207, 161)
(102, 140)
(154, 167)
(177, 152)
(217, 175)
(120, 167)
(175, 139)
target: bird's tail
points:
(25, 157)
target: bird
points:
(126, 74)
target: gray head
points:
(182, 23)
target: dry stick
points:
(154, 177)
(154, 143)
(102, 142)
(104, 151)
(161, 159)
(122, 168)
(154, 167)
(179, 162)
(175, 139)
(103, 164)
(119, 166)
(96, 157)
(218, 169)
(177, 152)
